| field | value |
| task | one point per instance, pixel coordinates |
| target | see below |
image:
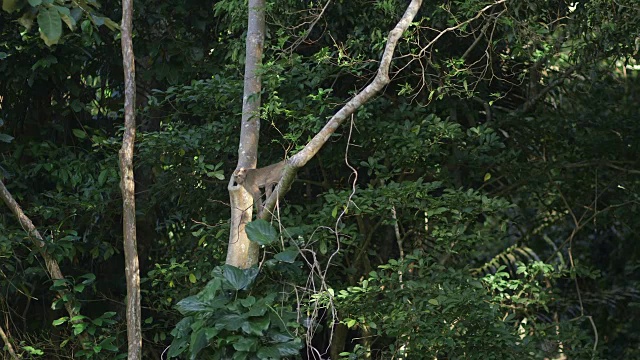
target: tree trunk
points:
(243, 253)
(127, 186)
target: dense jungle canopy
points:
(483, 205)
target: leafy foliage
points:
(483, 206)
(224, 320)
(450, 315)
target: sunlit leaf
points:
(50, 25)
(6, 138)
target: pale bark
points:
(8, 344)
(243, 253)
(127, 186)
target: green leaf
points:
(183, 327)
(45, 62)
(211, 333)
(239, 279)
(232, 322)
(434, 302)
(79, 328)
(280, 337)
(248, 301)
(102, 178)
(112, 25)
(79, 133)
(107, 344)
(261, 232)
(487, 176)
(192, 278)
(246, 344)
(198, 342)
(218, 174)
(191, 304)
(89, 278)
(60, 321)
(12, 5)
(239, 355)
(33, 351)
(270, 352)
(50, 25)
(178, 345)
(6, 138)
(258, 309)
(35, 3)
(256, 326)
(78, 318)
(290, 348)
(211, 289)
(323, 246)
(65, 14)
(288, 256)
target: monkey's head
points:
(240, 175)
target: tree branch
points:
(34, 235)
(318, 141)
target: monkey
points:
(254, 179)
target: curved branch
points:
(318, 141)
(36, 238)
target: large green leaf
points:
(183, 327)
(66, 16)
(198, 342)
(239, 278)
(177, 347)
(50, 25)
(288, 256)
(246, 344)
(256, 326)
(232, 322)
(290, 348)
(191, 305)
(261, 232)
(268, 352)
